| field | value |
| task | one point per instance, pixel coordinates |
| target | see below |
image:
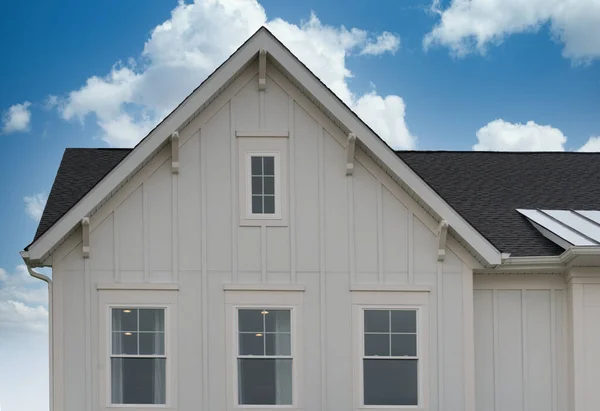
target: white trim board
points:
(216, 82)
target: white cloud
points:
(34, 205)
(593, 144)
(17, 118)
(184, 50)
(500, 135)
(471, 25)
(386, 42)
(23, 301)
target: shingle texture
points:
(484, 187)
(487, 187)
(79, 171)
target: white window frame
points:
(111, 355)
(392, 300)
(277, 170)
(137, 298)
(269, 300)
(236, 391)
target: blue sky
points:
(489, 77)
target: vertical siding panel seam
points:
(379, 232)
(204, 279)
(440, 335)
(496, 331)
(116, 261)
(145, 244)
(524, 351)
(263, 252)
(321, 135)
(292, 188)
(234, 200)
(175, 227)
(88, 367)
(554, 386)
(411, 248)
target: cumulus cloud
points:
(593, 144)
(500, 135)
(17, 118)
(34, 205)
(23, 302)
(467, 26)
(182, 51)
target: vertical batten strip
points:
(440, 333)
(524, 359)
(496, 350)
(292, 186)
(553, 349)
(116, 261)
(323, 295)
(145, 244)
(175, 223)
(88, 329)
(351, 240)
(380, 279)
(263, 252)
(234, 185)
(204, 279)
(469, 338)
(411, 247)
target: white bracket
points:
(175, 152)
(350, 154)
(85, 236)
(262, 70)
(442, 232)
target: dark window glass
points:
(377, 344)
(269, 185)
(377, 321)
(124, 343)
(138, 380)
(152, 343)
(390, 382)
(269, 166)
(252, 344)
(277, 320)
(278, 344)
(256, 166)
(250, 321)
(124, 319)
(264, 381)
(257, 207)
(152, 319)
(404, 345)
(404, 321)
(257, 185)
(269, 205)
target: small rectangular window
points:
(264, 357)
(390, 357)
(263, 184)
(138, 356)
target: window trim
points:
(277, 170)
(108, 354)
(294, 355)
(361, 351)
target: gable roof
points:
(311, 85)
(486, 188)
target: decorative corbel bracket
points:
(262, 70)
(442, 232)
(350, 154)
(175, 152)
(85, 236)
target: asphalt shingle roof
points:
(485, 188)
(79, 171)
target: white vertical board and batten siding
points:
(520, 328)
(343, 231)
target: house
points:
(263, 248)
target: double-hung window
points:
(138, 356)
(264, 356)
(390, 357)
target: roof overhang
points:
(474, 241)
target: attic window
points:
(263, 187)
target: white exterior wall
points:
(181, 234)
(521, 341)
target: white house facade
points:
(262, 248)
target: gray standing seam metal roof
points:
(485, 188)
